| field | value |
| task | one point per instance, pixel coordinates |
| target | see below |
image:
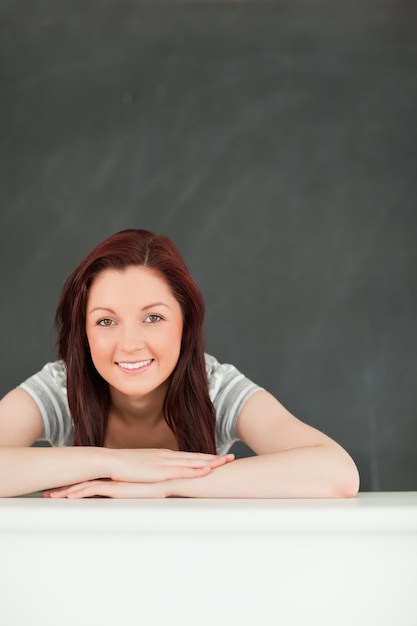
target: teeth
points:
(135, 366)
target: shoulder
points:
(220, 373)
(48, 388)
(53, 375)
(229, 390)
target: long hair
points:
(187, 407)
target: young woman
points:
(134, 408)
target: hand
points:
(109, 489)
(156, 465)
(143, 473)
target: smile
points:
(134, 366)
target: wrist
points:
(106, 462)
(171, 488)
(184, 488)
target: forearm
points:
(25, 470)
(310, 472)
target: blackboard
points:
(275, 142)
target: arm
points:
(24, 469)
(293, 460)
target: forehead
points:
(133, 281)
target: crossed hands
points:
(144, 473)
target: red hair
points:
(187, 408)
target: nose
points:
(131, 337)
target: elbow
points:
(347, 480)
(348, 489)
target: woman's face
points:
(134, 329)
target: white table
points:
(209, 562)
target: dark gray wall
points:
(275, 142)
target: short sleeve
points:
(229, 389)
(48, 388)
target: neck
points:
(147, 409)
(138, 422)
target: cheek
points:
(98, 345)
(170, 340)
(177, 334)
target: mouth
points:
(134, 365)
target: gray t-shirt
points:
(228, 389)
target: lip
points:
(134, 367)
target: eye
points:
(153, 319)
(105, 322)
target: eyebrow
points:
(145, 308)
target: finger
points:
(170, 473)
(63, 492)
(105, 488)
(113, 489)
(66, 492)
(193, 456)
(183, 472)
(59, 493)
(197, 461)
(50, 492)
